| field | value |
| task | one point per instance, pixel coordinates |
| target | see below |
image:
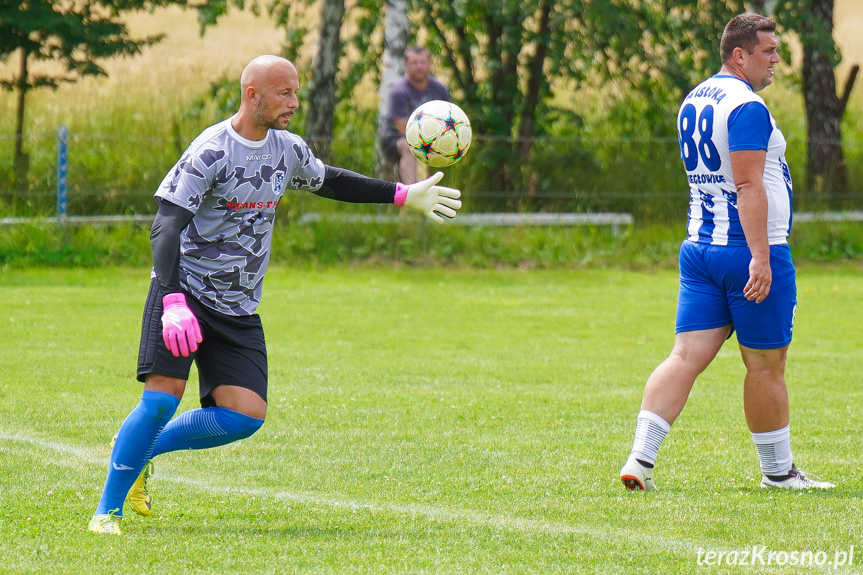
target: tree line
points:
(505, 60)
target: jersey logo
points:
(707, 201)
(786, 173)
(730, 197)
(278, 181)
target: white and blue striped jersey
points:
(232, 186)
(719, 116)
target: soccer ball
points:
(438, 133)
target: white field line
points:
(433, 512)
(438, 513)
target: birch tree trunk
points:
(322, 89)
(396, 31)
(826, 172)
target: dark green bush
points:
(411, 241)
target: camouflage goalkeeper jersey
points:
(233, 186)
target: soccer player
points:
(211, 244)
(416, 87)
(736, 272)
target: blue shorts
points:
(711, 294)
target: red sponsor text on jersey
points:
(253, 205)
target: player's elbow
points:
(748, 188)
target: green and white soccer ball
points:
(438, 133)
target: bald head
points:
(269, 85)
(264, 69)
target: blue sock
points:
(133, 447)
(205, 427)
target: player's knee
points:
(251, 427)
(165, 384)
(403, 149)
(240, 425)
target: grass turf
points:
(425, 421)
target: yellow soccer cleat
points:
(105, 524)
(139, 495)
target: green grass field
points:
(426, 421)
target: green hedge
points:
(416, 243)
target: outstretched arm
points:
(347, 186)
(425, 197)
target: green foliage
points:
(50, 244)
(412, 242)
(108, 175)
(283, 12)
(659, 49)
(827, 241)
(593, 161)
(366, 41)
(535, 155)
(76, 35)
(221, 101)
(209, 11)
(490, 50)
(354, 148)
(486, 49)
(798, 16)
(599, 144)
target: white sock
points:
(650, 430)
(774, 451)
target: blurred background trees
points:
(76, 35)
(509, 62)
(572, 101)
(826, 170)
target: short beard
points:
(263, 121)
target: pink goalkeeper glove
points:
(180, 329)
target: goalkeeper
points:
(211, 245)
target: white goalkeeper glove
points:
(428, 198)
